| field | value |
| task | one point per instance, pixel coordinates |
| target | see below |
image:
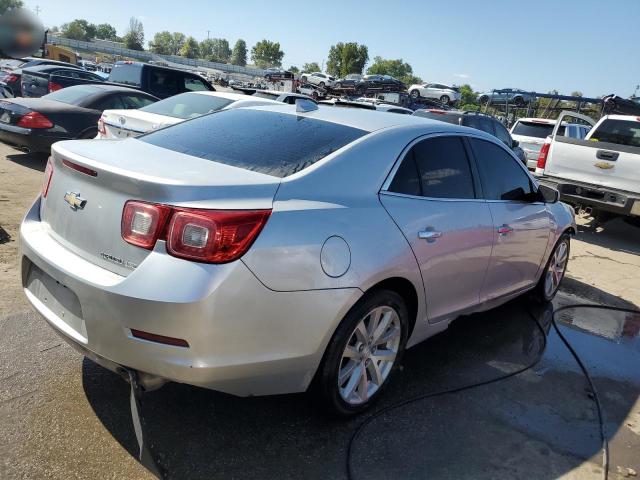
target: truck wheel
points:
(519, 101)
(415, 94)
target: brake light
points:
(542, 157)
(142, 223)
(11, 78)
(210, 236)
(101, 129)
(435, 110)
(46, 181)
(53, 86)
(34, 120)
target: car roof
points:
(363, 119)
(46, 66)
(149, 65)
(106, 87)
(550, 121)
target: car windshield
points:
(533, 129)
(188, 105)
(622, 132)
(267, 142)
(73, 95)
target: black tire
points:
(327, 376)
(483, 99)
(540, 293)
(415, 94)
(444, 99)
(337, 85)
(321, 85)
(519, 101)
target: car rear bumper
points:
(243, 338)
(595, 196)
(28, 139)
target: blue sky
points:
(586, 45)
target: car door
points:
(521, 221)
(433, 196)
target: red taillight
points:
(542, 157)
(80, 168)
(53, 86)
(11, 78)
(34, 120)
(210, 236)
(46, 181)
(142, 223)
(101, 129)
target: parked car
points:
(599, 173)
(34, 124)
(320, 79)
(12, 77)
(386, 82)
(613, 104)
(88, 65)
(483, 122)
(133, 122)
(242, 260)
(272, 74)
(282, 97)
(42, 79)
(436, 91)
(349, 81)
(532, 132)
(159, 81)
(312, 91)
(511, 95)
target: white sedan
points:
(437, 91)
(172, 110)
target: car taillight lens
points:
(53, 86)
(101, 129)
(10, 78)
(46, 181)
(142, 223)
(34, 120)
(210, 236)
(542, 157)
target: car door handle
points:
(505, 229)
(429, 235)
(604, 155)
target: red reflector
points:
(142, 223)
(53, 86)
(48, 173)
(542, 157)
(79, 168)
(34, 120)
(152, 337)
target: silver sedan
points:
(264, 250)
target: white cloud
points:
(461, 75)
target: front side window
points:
(501, 175)
(435, 168)
(193, 84)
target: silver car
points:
(262, 250)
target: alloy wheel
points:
(556, 269)
(369, 355)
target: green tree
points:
(311, 67)
(267, 54)
(190, 49)
(78, 29)
(396, 68)
(239, 54)
(346, 58)
(104, 31)
(577, 93)
(162, 43)
(218, 50)
(177, 42)
(9, 4)
(293, 69)
(134, 38)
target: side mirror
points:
(548, 194)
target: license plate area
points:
(61, 301)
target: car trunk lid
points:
(34, 84)
(92, 181)
(131, 123)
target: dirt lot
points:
(63, 417)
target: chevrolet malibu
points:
(268, 250)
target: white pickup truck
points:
(600, 173)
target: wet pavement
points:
(539, 424)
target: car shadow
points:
(35, 161)
(615, 234)
(528, 419)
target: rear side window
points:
(128, 73)
(622, 132)
(163, 83)
(501, 175)
(272, 143)
(435, 168)
(193, 84)
(188, 105)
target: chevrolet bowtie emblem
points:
(74, 200)
(604, 165)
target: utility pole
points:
(37, 9)
(208, 34)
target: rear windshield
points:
(127, 73)
(273, 143)
(73, 95)
(622, 132)
(533, 129)
(269, 96)
(442, 117)
(187, 105)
